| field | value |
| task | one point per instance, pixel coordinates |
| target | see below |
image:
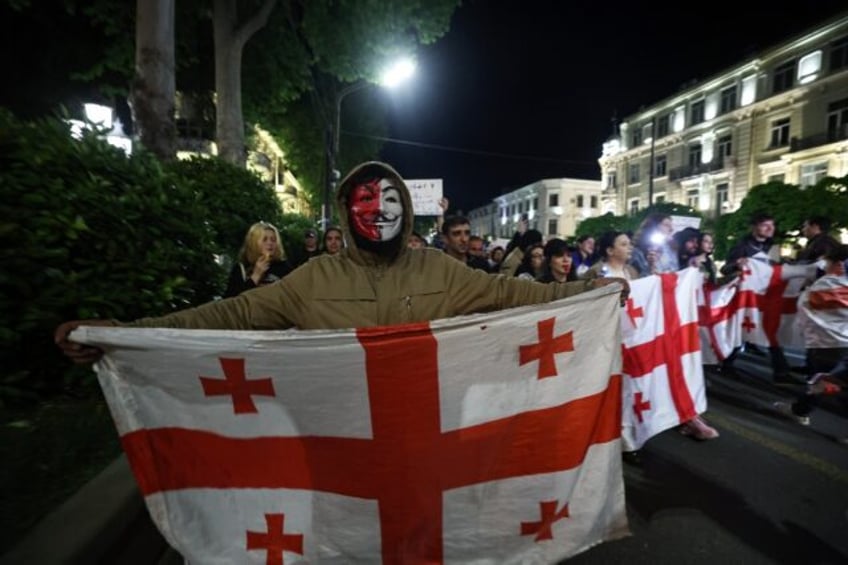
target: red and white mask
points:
(376, 210)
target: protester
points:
(615, 252)
(559, 265)
(653, 252)
(819, 241)
(584, 256)
(261, 260)
(456, 235)
(309, 250)
(532, 264)
(416, 241)
(361, 286)
(704, 261)
(823, 318)
(333, 241)
(496, 257)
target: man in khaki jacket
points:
(376, 280)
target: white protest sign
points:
(681, 222)
(426, 194)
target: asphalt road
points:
(767, 491)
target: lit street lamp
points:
(394, 75)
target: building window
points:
(725, 147)
(553, 200)
(780, 177)
(636, 137)
(579, 200)
(722, 196)
(612, 180)
(660, 166)
(552, 227)
(634, 207)
(692, 198)
(520, 207)
(662, 125)
(779, 133)
(728, 100)
(536, 203)
(813, 173)
(784, 76)
(839, 54)
(695, 155)
(809, 66)
(837, 120)
(696, 113)
(633, 177)
(593, 201)
(659, 199)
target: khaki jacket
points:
(359, 288)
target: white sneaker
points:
(786, 409)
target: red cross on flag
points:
(663, 375)
(758, 307)
(490, 438)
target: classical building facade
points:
(780, 116)
(553, 206)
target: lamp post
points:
(394, 75)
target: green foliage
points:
(601, 224)
(789, 204)
(234, 199)
(88, 233)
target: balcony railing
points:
(831, 136)
(686, 171)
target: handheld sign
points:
(426, 194)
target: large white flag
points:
(483, 439)
(757, 307)
(663, 374)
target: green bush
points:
(88, 233)
(234, 199)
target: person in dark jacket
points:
(261, 260)
(819, 242)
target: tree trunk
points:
(153, 88)
(230, 39)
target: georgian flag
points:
(663, 371)
(757, 307)
(481, 439)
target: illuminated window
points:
(728, 99)
(779, 133)
(784, 76)
(809, 67)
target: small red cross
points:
(748, 324)
(640, 406)
(633, 312)
(546, 349)
(746, 271)
(542, 528)
(275, 541)
(235, 383)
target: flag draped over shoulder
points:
(490, 438)
(663, 374)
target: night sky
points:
(535, 84)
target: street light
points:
(392, 76)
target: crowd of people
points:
(376, 246)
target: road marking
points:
(833, 471)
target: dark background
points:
(530, 87)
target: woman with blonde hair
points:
(261, 261)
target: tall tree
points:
(153, 87)
(231, 35)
